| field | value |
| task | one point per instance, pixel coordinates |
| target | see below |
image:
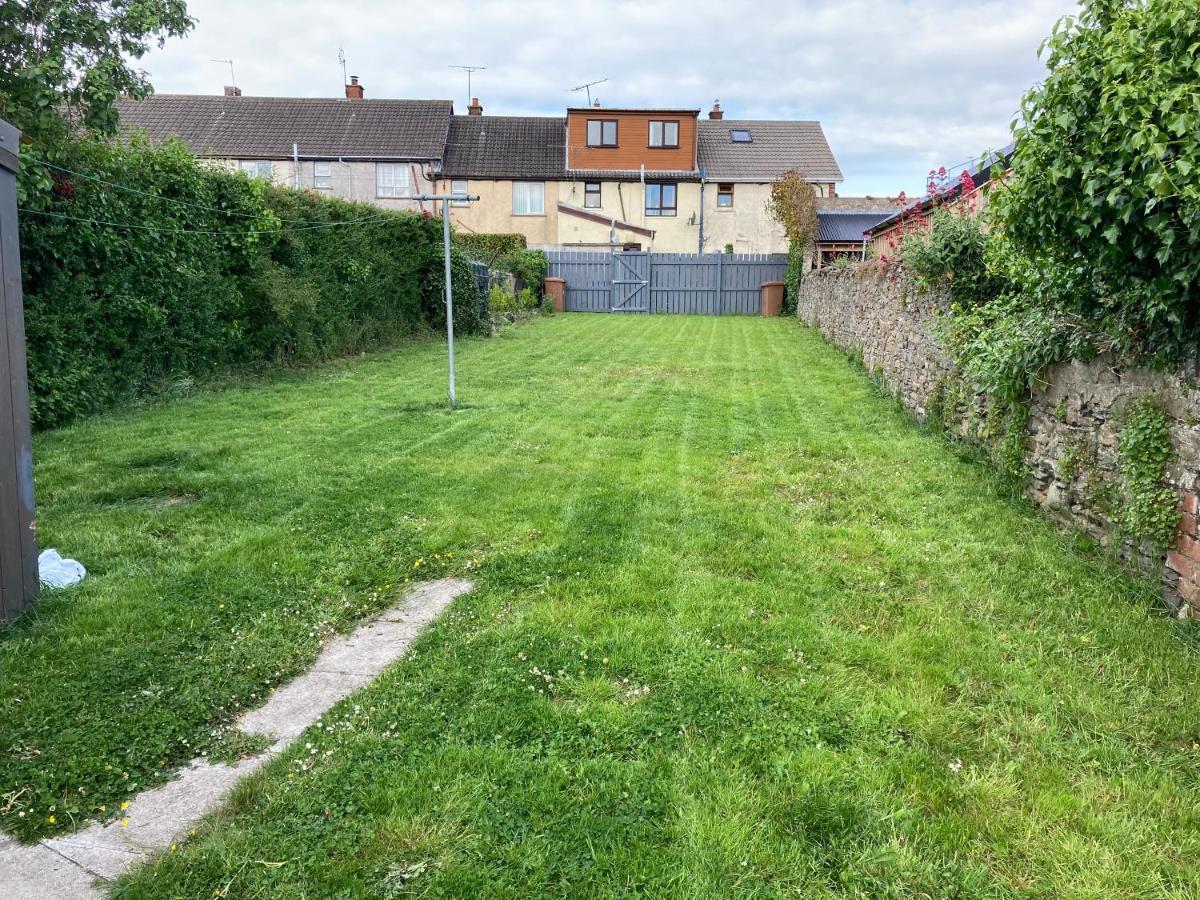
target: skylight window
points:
(740, 135)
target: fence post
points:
(18, 544)
(720, 283)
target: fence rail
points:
(704, 284)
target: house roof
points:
(505, 147)
(847, 226)
(266, 127)
(774, 148)
(980, 172)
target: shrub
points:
(488, 248)
(206, 270)
(529, 267)
(953, 250)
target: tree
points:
(793, 204)
(1106, 187)
(64, 63)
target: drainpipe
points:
(700, 249)
(296, 165)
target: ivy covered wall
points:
(1109, 449)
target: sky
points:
(900, 86)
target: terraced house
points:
(663, 178)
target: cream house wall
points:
(492, 213)
(747, 225)
(350, 180)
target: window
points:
(529, 198)
(591, 195)
(602, 132)
(459, 186)
(256, 168)
(660, 199)
(725, 195)
(740, 135)
(323, 176)
(392, 180)
(664, 134)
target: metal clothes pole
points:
(449, 293)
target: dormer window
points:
(740, 135)
(664, 133)
(602, 132)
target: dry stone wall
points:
(1072, 441)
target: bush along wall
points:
(142, 267)
(1102, 445)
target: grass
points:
(740, 629)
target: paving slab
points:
(71, 866)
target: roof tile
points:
(266, 127)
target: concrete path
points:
(77, 865)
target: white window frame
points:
(388, 185)
(459, 186)
(323, 175)
(257, 168)
(540, 193)
(664, 127)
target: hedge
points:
(150, 268)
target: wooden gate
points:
(709, 284)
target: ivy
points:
(1105, 193)
(1150, 509)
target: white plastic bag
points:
(56, 572)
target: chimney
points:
(232, 91)
(716, 112)
(474, 109)
(354, 90)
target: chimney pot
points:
(232, 91)
(354, 90)
(716, 112)
(475, 109)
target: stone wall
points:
(1073, 436)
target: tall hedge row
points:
(148, 267)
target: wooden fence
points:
(706, 284)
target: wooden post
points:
(18, 540)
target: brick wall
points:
(1073, 437)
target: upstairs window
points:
(256, 168)
(529, 198)
(602, 132)
(591, 195)
(660, 200)
(725, 195)
(740, 135)
(392, 180)
(323, 176)
(664, 133)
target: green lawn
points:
(741, 629)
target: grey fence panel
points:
(680, 283)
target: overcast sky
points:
(900, 86)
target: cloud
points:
(899, 85)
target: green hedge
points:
(488, 248)
(202, 270)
